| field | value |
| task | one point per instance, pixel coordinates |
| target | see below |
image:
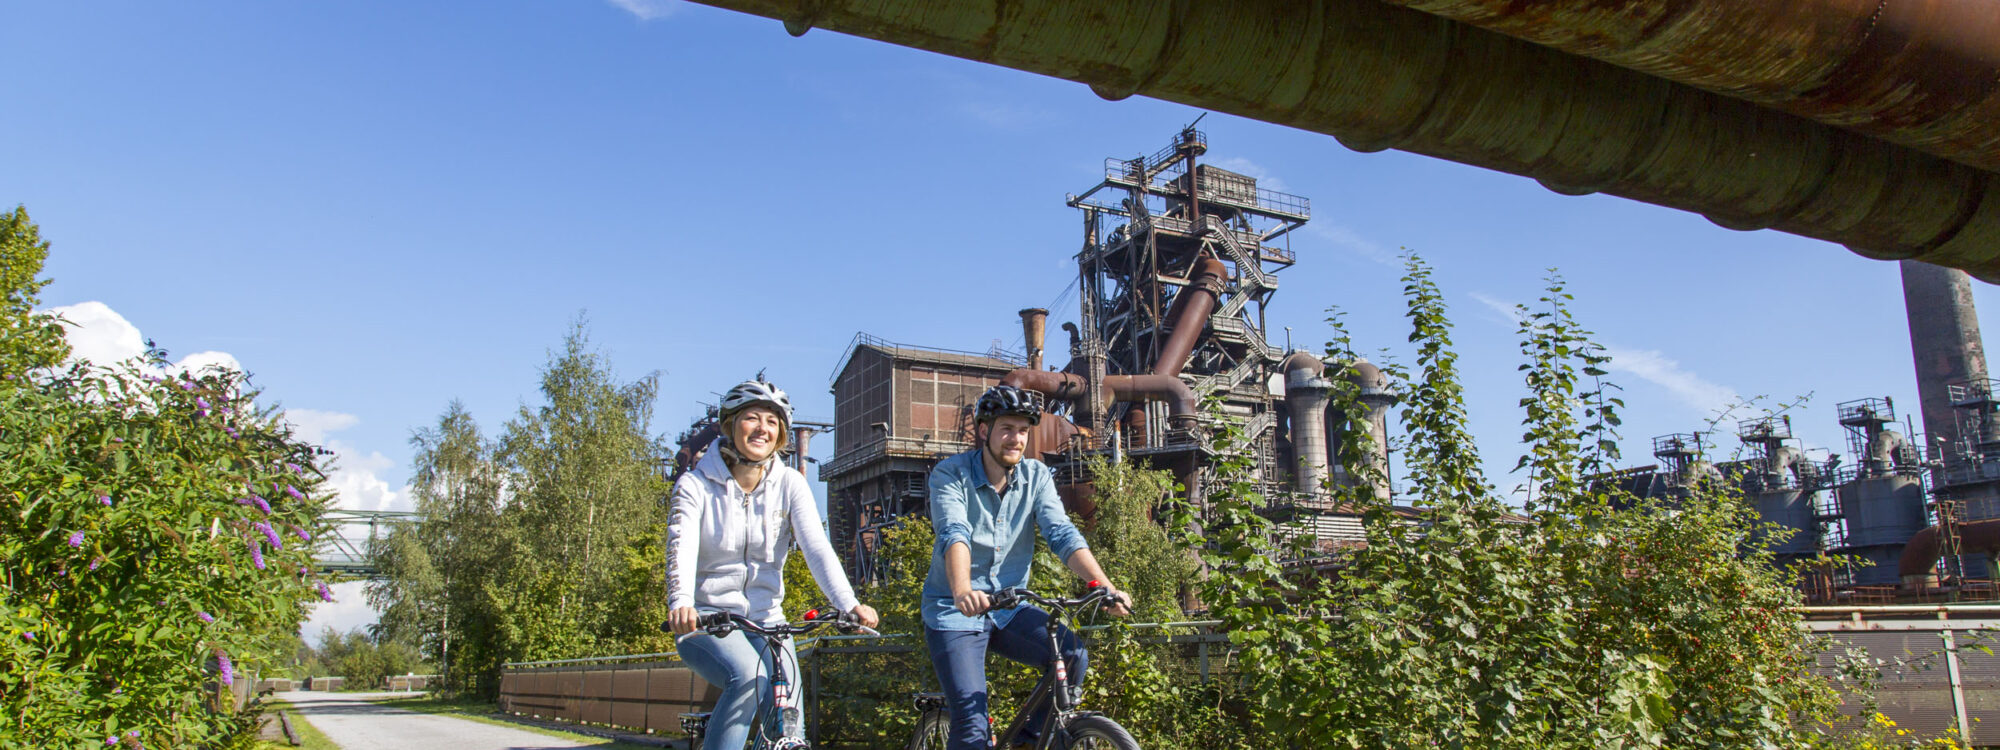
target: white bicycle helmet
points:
(753, 392)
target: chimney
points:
(1034, 323)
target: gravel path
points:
(353, 723)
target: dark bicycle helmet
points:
(1006, 400)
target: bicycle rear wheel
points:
(933, 728)
(1097, 733)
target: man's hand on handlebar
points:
(683, 620)
(1121, 602)
(972, 602)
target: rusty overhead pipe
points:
(1900, 165)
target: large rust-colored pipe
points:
(1380, 76)
(1192, 307)
(1921, 553)
(1070, 387)
(1920, 73)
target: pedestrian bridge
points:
(345, 549)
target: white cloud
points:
(348, 610)
(1700, 394)
(99, 335)
(1244, 166)
(312, 425)
(1346, 239)
(648, 10)
(356, 476)
(1508, 314)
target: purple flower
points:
(270, 534)
(185, 386)
(294, 468)
(104, 500)
(205, 617)
(324, 593)
(118, 440)
(294, 492)
(231, 431)
(222, 664)
(256, 553)
(201, 403)
(76, 539)
(94, 562)
(112, 740)
(30, 635)
(261, 504)
(304, 536)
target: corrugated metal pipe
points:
(1306, 394)
(1921, 73)
(1379, 76)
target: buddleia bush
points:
(155, 537)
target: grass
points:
(310, 737)
(482, 711)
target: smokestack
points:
(1034, 324)
(801, 440)
(1306, 396)
(1944, 341)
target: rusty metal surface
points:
(1380, 76)
(1922, 73)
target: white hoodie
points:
(726, 548)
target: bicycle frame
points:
(1053, 687)
(784, 695)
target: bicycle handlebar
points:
(1010, 598)
(719, 624)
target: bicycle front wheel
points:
(1097, 733)
(933, 729)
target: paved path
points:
(354, 723)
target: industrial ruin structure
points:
(1178, 265)
(1912, 516)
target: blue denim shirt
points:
(995, 528)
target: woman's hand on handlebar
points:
(865, 615)
(683, 620)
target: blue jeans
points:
(960, 659)
(737, 663)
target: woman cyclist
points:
(735, 517)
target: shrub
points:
(155, 533)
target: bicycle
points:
(1067, 727)
(783, 696)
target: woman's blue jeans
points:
(738, 664)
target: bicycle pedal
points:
(695, 723)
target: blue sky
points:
(378, 207)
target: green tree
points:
(1581, 620)
(33, 341)
(437, 574)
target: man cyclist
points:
(986, 504)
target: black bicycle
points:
(1067, 727)
(789, 732)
